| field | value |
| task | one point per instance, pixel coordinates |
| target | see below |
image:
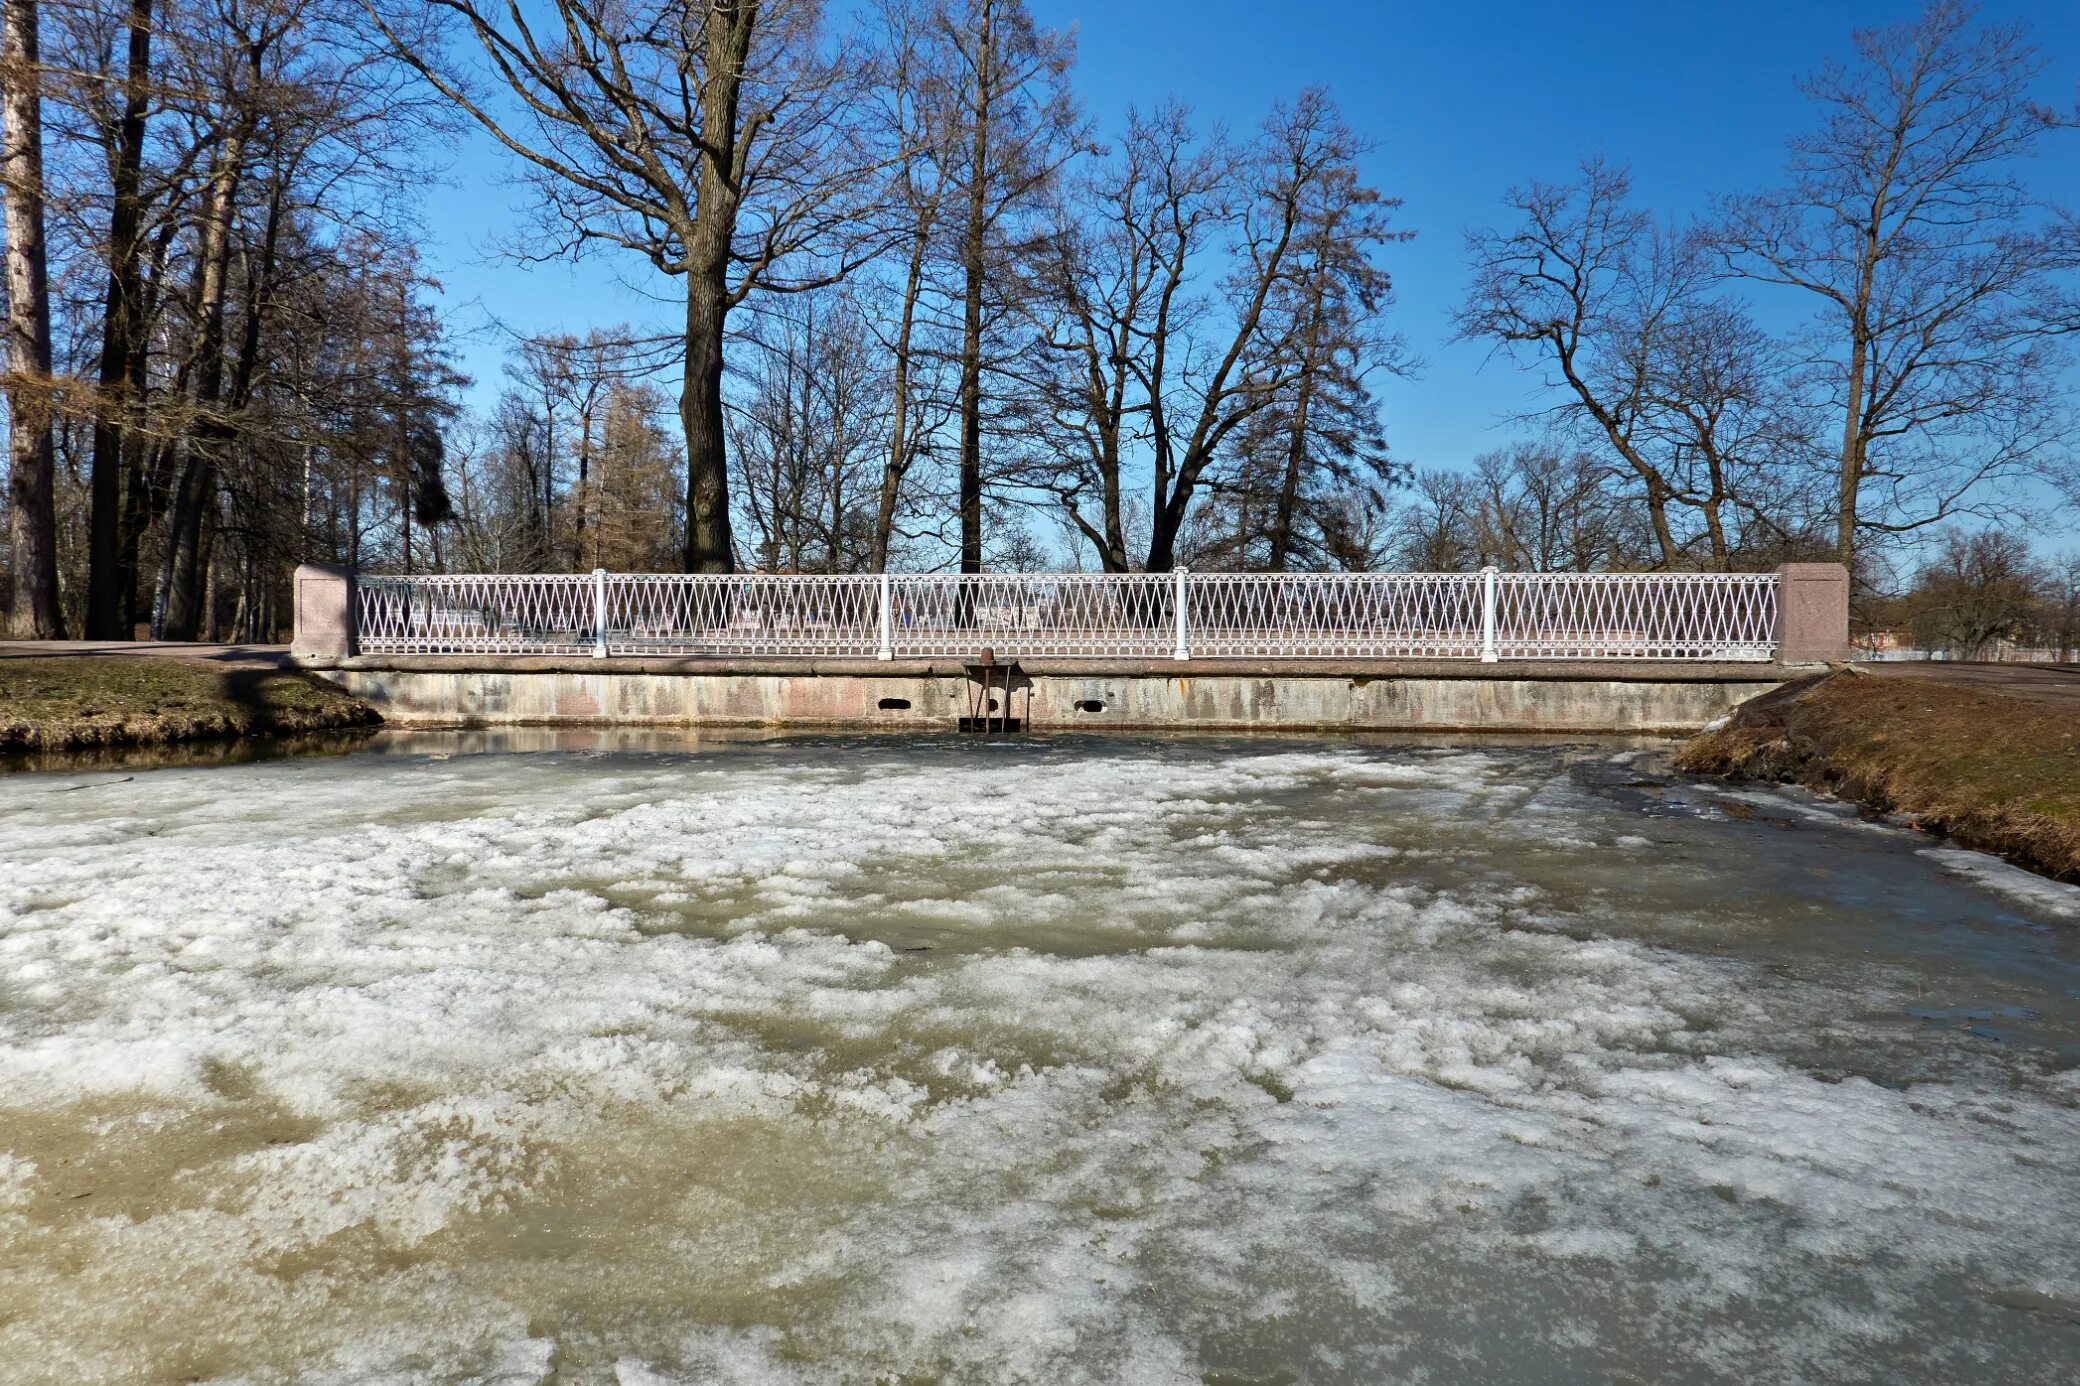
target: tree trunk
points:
(708, 544)
(1296, 445)
(971, 299)
(1162, 540)
(893, 471)
(146, 466)
(206, 604)
(1851, 473)
(176, 609)
(833, 559)
(121, 324)
(401, 421)
(584, 482)
(1657, 516)
(31, 456)
(1114, 557)
(1715, 533)
(545, 539)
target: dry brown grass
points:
(1993, 772)
(113, 700)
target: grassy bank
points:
(114, 700)
(1993, 772)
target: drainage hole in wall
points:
(895, 704)
(1089, 705)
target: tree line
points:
(1982, 595)
(933, 310)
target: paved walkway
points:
(2054, 685)
(229, 656)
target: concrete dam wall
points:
(1051, 696)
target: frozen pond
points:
(1022, 1061)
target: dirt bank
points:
(1984, 765)
(65, 701)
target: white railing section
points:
(1487, 615)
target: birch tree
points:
(30, 388)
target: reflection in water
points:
(163, 755)
(541, 1055)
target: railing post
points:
(1183, 650)
(1488, 577)
(888, 619)
(327, 612)
(599, 613)
(1812, 613)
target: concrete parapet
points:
(324, 612)
(1812, 613)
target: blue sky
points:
(1462, 99)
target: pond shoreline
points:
(1992, 764)
(75, 702)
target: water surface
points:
(1050, 1060)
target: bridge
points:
(1488, 650)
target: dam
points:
(1483, 651)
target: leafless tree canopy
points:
(1648, 359)
(937, 314)
(1939, 281)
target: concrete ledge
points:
(951, 666)
(1147, 695)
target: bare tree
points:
(707, 137)
(212, 170)
(1114, 306)
(1436, 525)
(1974, 591)
(122, 316)
(239, 90)
(30, 389)
(2060, 621)
(1017, 125)
(575, 379)
(501, 527)
(810, 431)
(1539, 510)
(1327, 321)
(1931, 268)
(1149, 357)
(921, 113)
(1647, 360)
(1303, 149)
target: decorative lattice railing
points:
(1486, 615)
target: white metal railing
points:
(1487, 615)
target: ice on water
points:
(1150, 1063)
